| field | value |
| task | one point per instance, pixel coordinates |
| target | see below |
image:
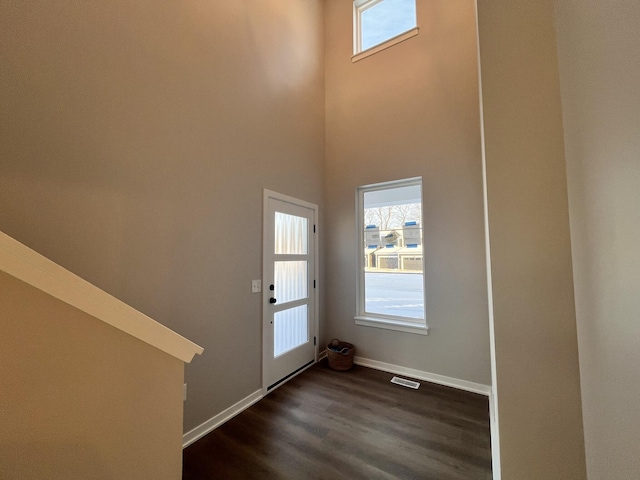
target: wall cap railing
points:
(26, 265)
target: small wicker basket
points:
(342, 359)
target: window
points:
(378, 24)
(391, 260)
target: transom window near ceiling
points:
(379, 24)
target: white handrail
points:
(25, 264)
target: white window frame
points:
(360, 6)
(368, 319)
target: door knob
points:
(272, 300)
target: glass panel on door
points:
(290, 281)
(290, 234)
(290, 329)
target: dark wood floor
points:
(324, 424)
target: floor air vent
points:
(405, 383)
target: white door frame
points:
(266, 294)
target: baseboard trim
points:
(214, 422)
(322, 355)
(426, 376)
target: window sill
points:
(389, 43)
(387, 324)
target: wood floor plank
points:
(325, 424)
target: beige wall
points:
(536, 356)
(81, 399)
(136, 139)
(135, 142)
(599, 45)
(411, 110)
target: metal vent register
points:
(405, 383)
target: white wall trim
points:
(493, 397)
(426, 376)
(398, 326)
(214, 422)
(26, 265)
(386, 44)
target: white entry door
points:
(289, 298)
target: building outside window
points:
(391, 265)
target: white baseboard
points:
(322, 354)
(426, 376)
(214, 422)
